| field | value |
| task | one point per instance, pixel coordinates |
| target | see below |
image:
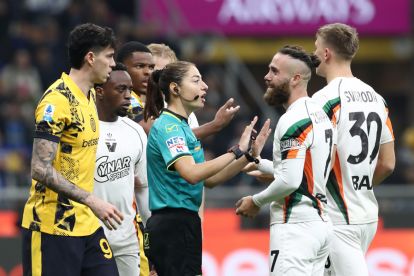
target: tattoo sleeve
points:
(44, 152)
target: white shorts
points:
(299, 249)
(128, 264)
(347, 249)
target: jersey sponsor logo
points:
(176, 145)
(111, 146)
(290, 144)
(48, 113)
(89, 143)
(112, 170)
(171, 128)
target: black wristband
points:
(236, 151)
(250, 158)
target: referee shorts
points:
(172, 242)
(51, 255)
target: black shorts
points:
(172, 242)
(45, 254)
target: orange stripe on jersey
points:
(292, 154)
(309, 177)
(338, 176)
(335, 109)
(309, 171)
(389, 124)
(304, 134)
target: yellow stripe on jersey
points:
(144, 268)
(36, 253)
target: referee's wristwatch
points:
(236, 151)
(250, 158)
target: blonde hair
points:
(342, 38)
(162, 50)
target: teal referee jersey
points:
(170, 139)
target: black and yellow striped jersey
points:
(66, 116)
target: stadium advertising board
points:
(276, 17)
(230, 251)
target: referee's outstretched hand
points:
(105, 211)
(225, 113)
(244, 141)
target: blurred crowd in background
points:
(33, 55)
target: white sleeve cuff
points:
(265, 166)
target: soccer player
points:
(303, 142)
(177, 170)
(121, 167)
(140, 64)
(365, 154)
(62, 234)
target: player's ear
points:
(90, 57)
(174, 88)
(99, 92)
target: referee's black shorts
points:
(172, 242)
(45, 254)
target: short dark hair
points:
(88, 37)
(342, 38)
(119, 66)
(128, 48)
(297, 52)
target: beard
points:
(122, 112)
(277, 95)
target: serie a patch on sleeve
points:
(48, 113)
(290, 144)
(176, 145)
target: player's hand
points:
(261, 177)
(246, 207)
(246, 135)
(249, 167)
(225, 114)
(105, 211)
(259, 141)
(153, 272)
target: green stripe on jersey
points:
(330, 106)
(333, 188)
(295, 130)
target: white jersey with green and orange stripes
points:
(360, 116)
(304, 132)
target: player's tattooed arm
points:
(44, 152)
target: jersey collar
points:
(175, 115)
(74, 88)
(302, 99)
